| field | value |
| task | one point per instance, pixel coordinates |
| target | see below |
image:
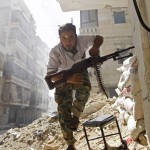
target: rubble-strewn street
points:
(45, 134)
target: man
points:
(70, 50)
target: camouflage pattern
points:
(68, 107)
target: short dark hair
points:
(67, 27)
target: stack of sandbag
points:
(129, 101)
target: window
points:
(119, 17)
(89, 18)
(19, 92)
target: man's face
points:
(68, 40)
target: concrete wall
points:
(142, 50)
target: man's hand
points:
(94, 51)
(75, 79)
(57, 77)
(98, 41)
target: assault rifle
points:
(83, 65)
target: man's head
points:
(67, 34)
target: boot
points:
(70, 147)
(74, 123)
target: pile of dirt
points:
(45, 134)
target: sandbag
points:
(129, 62)
(135, 127)
(128, 104)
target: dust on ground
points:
(45, 134)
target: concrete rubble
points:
(45, 134)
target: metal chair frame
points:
(100, 122)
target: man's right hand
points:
(75, 79)
(57, 77)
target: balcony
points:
(15, 43)
(17, 33)
(21, 20)
(89, 30)
(15, 80)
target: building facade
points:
(114, 24)
(24, 94)
(141, 38)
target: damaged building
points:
(23, 91)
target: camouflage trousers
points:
(68, 106)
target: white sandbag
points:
(118, 91)
(127, 68)
(131, 124)
(135, 127)
(128, 104)
(124, 80)
(118, 102)
(127, 92)
(128, 62)
(121, 69)
(121, 118)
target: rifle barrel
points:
(113, 55)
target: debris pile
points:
(45, 134)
